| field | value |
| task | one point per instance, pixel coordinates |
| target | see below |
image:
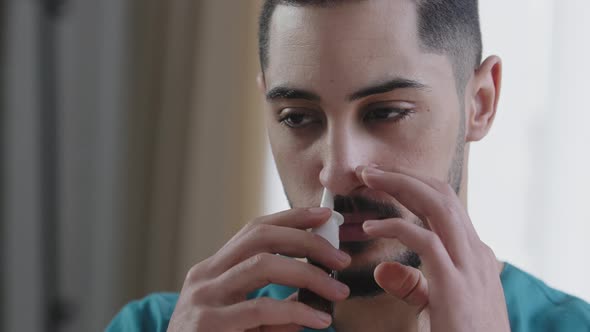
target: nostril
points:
(339, 176)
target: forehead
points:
(347, 46)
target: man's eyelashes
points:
(298, 118)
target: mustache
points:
(360, 204)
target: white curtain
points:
(91, 98)
(159, 151)
(529, 179)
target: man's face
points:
(348, 86)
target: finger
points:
(406, 189)
(279, 240)
(404, 282)
(442, 187)
(423, 242)
(263, 312)
(283, 328)
(441, 215)
(300, 218)
(264, 269)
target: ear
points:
(261, 83)
(483, 95)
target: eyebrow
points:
(387, 86)
(284, 92)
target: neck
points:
(465, 177)
(380, 313)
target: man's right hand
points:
(214, 294)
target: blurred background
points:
(132, 146)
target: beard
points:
(361, 279)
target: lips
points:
(362, 206)
(352, 229)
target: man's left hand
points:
(459, 284)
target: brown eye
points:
(297, 119)
(387, 114)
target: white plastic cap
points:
(330, 230)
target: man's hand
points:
(213, 297)
(459, 285)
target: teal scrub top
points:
(532, 306)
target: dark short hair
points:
(448, 27)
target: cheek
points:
(425, 143)
(438, 145)
(298, 168)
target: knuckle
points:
(262, 302)
(250, 225)
(257, 307)
(311, 241)
(262, 230)
(190, 275)
(488, 252)
(194, 274)
(408, 284)
(204, 318)
(259, 231)
(201, 292)
(487, 249)
(315, 238)
(312, 275)
(433, 243)
(449, 207)
(258, 261)
(299, 311)
(441, 186)
(448, 190)
(256, 222)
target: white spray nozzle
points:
(327, 199)
(329, 230)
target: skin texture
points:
(406, 147)
(213, 297)
(334, 52)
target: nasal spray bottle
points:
(328, 231)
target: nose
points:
(343, 152)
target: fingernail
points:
(370, 224)
(323, 317)
(373, 171)
(359, 171)
(318, 210)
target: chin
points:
(369, 254)
(366, 256)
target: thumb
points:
(404, 282)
